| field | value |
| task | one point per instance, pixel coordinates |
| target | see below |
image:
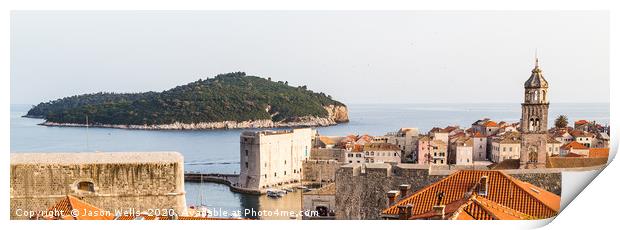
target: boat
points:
(288, 190)
(274, 194)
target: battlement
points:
(112, 181)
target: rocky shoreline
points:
(303, 122)
(336, 114)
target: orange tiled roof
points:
(504, 193)
(478, 135)
(327, 140)
(490, 124)
(476, 207)
(573, 145)
(380, 147)
(62, 210)
(581, 122)
(552, 141)
(599, 152)
(357, 148)
(579, 133)
(450, 129)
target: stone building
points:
(583, 137)
(381, 153)
(406, 139)
(111, 181)
(575, 148)
(439, 152)
(361, 188)
(322, 201)
(272, 158)
(461, 151)
(423, 150)
(506, 147)
(480, 147)
(534, 115)
(553, 147)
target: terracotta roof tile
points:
(490, 124)
(581, 122)
(62, 210)
(66, 205)
(573, 145)
(380, 147)
(327, 140)
(511, 194)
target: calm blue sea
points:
(218, 150)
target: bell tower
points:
(534, 115)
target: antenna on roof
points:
(536, 56)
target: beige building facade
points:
(272, 158)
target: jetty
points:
(231, 181)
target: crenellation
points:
(119, 181)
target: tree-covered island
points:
(232, 100)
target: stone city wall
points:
(320, 170)
(111, 181)
(327, 154)
(361, 188)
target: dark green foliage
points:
(227, 97)
(561, 121)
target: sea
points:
(217, 151)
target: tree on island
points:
(561, 122)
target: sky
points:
(355, 56)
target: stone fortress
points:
(272, 158)
(123, 181)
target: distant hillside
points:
(231, 100)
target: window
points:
(504, 149)
(275, 174)
(246, 165)
(350, 161)
(510, 149)
(86, 186)
(285, 173)
(284, 162)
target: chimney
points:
(391, 197)
(440, 211)
(483, 186)
(405, 211)
(403, 190)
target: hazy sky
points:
(357, 57)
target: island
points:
(226, 101)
